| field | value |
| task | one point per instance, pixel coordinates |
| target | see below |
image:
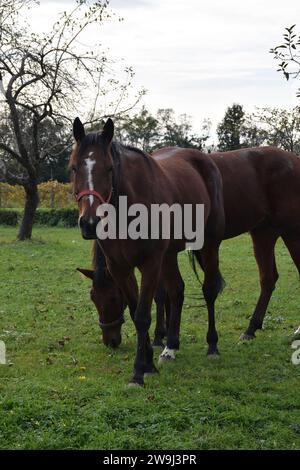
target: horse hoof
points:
(167, 355)
(246, 337)
(213, 353)
(135, 385)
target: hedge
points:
(49, 217)
(53, 195)
(9, 217)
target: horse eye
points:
(74, 170)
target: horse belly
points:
(242, 213)
(283, 193)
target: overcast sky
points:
(199, 56)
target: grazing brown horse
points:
(108, 299)
(104, 170)
(262, 196)
(261, 188)
(110, 303)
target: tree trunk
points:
(31, 203)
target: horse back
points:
(196, 177)
(261, 185)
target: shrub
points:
(9, 217)
(49, 217)
(52, 217)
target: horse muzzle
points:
(88, 227)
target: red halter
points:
(91, 192)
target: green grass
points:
(62, 389)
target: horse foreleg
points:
(143, 363)
(160, 328)
(264, 244)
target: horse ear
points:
(86, 272)
(78, 130)
(108, 130)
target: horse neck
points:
(99, 261)
(134, 172)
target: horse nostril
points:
(91, 222)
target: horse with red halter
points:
(105, 170)
(261, 189)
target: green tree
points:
(230, 129)
(278, 127)
(161, 130)
(140, 130)
(178, 132)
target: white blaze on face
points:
(89, 168)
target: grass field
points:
(62, 389)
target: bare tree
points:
(52, 77)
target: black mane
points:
(117, 148)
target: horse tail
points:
(194, 259)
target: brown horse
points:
(108, 299)
(105, 170)
(262, 196)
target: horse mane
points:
(73, 155)
(117, 148)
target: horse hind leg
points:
(264, 244)
(213, 284)
(174, 286)
(292, 242)
(160, 328)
